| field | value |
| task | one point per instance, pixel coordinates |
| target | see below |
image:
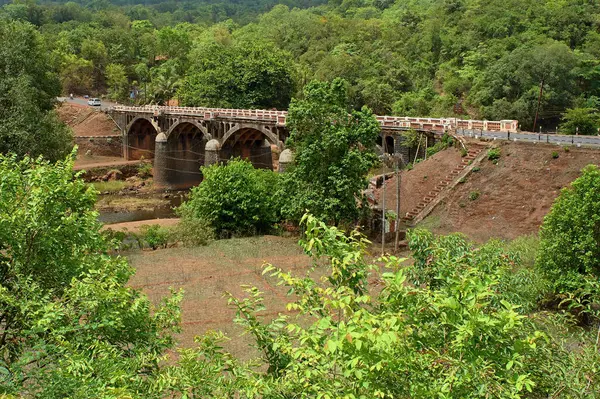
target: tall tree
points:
(333, 152)
(28, 90)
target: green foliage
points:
(117, 82)
(72, 327)
(144, 169)
(412, 139)
(473, 195)
(430, 327)
(333, 153)
(445, 142)
(192, 232)
(580, 120)
(235, 198)
(154, 236)
(28, 123)
(493, 154)
(476, 169)
(244, 75)
(570, 241)
(554, 154)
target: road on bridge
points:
(558, 139)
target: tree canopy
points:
(420, 58)
(28, 90)
(333, 152)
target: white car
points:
(94, 102)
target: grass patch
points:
(109, 186)
(431, 222)
(127, 203)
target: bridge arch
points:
(141, 135)
(185, 153)
(250, 141)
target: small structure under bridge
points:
(181, 139)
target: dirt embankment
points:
(514, 195)
(416, 183)
(87, 121)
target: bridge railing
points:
(279, 117)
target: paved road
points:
(83, 101)
(559, 139)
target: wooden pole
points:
(383, 201)
(397, 240)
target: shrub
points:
(476, 169)
(566, 148)
(570, 241)
(473, 195)
(493, 154)
(235, 199)
(462, 180)
(463, 152)
(155, 236)
(421, 338)
(193, 232)
(145, 169)
(554, 154)
(580, 120)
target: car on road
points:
(94, 102)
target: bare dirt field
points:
(86, 121)
(206, 274)
(514, 195)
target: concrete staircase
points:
(429, 201)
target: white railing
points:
(431, 124)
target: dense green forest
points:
(483, 59)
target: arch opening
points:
(140, 139)
(184, 155)
(251, 144)
(389, 144)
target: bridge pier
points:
(159, 171)
(211, 152)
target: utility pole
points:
(538, 104)
(383, 199)
(397, 240)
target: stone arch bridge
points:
(181, 139)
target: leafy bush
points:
(155, 236)
(554, 154)
(434, 325)
(493, 154)
(235, 198)
(476, 169)
(144, 169)
(570, 242)
(580, 120)
(192, 232)
(69, 304)
(473, 195)
(445, 142)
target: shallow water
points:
(159, 212)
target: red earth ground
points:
(514, 195)
(86, 121)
